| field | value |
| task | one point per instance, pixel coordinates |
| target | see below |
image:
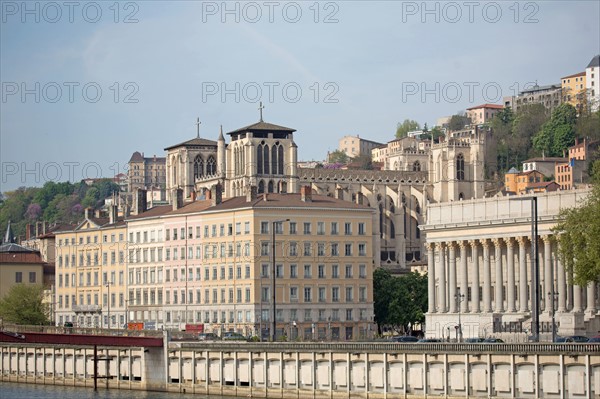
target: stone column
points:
(441, 273)
(522, 275)
(499, 283)
(510, 266)
(475, 308)
(464, 284)
(431, 277)
(591, 298)
(577, 291)
(452, 276)
(487, 278)
(561, 286)
(546, 294)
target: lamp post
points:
(126, 314)
(459, 298)
(535, 270)
(274, 306)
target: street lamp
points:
(274, 322)
(459, 298)
(535, 270)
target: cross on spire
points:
(260, 109)
(198, 127)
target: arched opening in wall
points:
(396, 166)
(283, 187)
(277, 162)
(211, 166)
(198, 167)
(266, 167)
(460, 167)
(392, 230)
(461, 197)
(174, 164)
(259, 160)
(261, 187)
(416, 166)
(270, 186)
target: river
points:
(11, 390)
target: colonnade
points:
(494, 275)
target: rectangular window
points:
(335, 271)
(320, 228)
(307, 228)
(246, 227)
(348, 228)
(362, 271)
(174, 234)
(264, 227)
(362, 249)
(307, 271)
(293, 271)
(307, 249)
(335, 294)
(349, 294)
(293, 228)
(238, 228)
(348, 249)
(321, 269)
(293, 249)
(18, 277)
(322, 297)
(348, 271)
(294, 294)
(334, 228)
(361, 229)
(32, 277)
(335, 249)
(321, 249)
(307, 294)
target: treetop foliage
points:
(54, 202)
(23, 305)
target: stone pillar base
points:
(570, 324)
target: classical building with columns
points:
(479, 263)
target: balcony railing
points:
(87, 308)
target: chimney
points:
(112, 213)
(177, 199)
(139, 201)
(97, 213)
(28, 231)
(193, 196)
(208, 194)
(87, 212)
(216, 194)
(38, 229)
(265, 197)
(251, 193)
(306, 194)
(44, 225)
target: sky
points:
(86, 84)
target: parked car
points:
(430, 340)
(595, 339)
(233, 336)
(578, 339)
(492, 340)
(404, 339)
(474, 340)
(208, 337)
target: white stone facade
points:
(474, 245)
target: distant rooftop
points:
(594, 62)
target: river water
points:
(11, 390)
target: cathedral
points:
(264, 157)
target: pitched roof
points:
(547, 159)
(512, 170)
(574, 75)
(263, 126)
(15, 248)
(196, 141)
(20, 257)
(152, 212)
(136, 157)
(287, 201)
(494, 106)
(594, 62)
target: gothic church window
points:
(460, 167)
(416, 166)
(198, 167)
(211, 166)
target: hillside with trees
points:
(54, 202)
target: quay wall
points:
(313, 370)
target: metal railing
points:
(80, 331)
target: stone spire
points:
(9, 237)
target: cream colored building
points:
(91, 272)
(482, 249)
(484, 113)
(19, 265)
(355, 146)
(217, 265)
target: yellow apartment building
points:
(217, 266)
(573, 88)
(90, 272)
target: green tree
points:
(399, 301)
(407, 126)
(338, 157)
(579, 236)
(23, 305)
(558, 133)
(458, 122)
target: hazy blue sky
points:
(361, 67)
